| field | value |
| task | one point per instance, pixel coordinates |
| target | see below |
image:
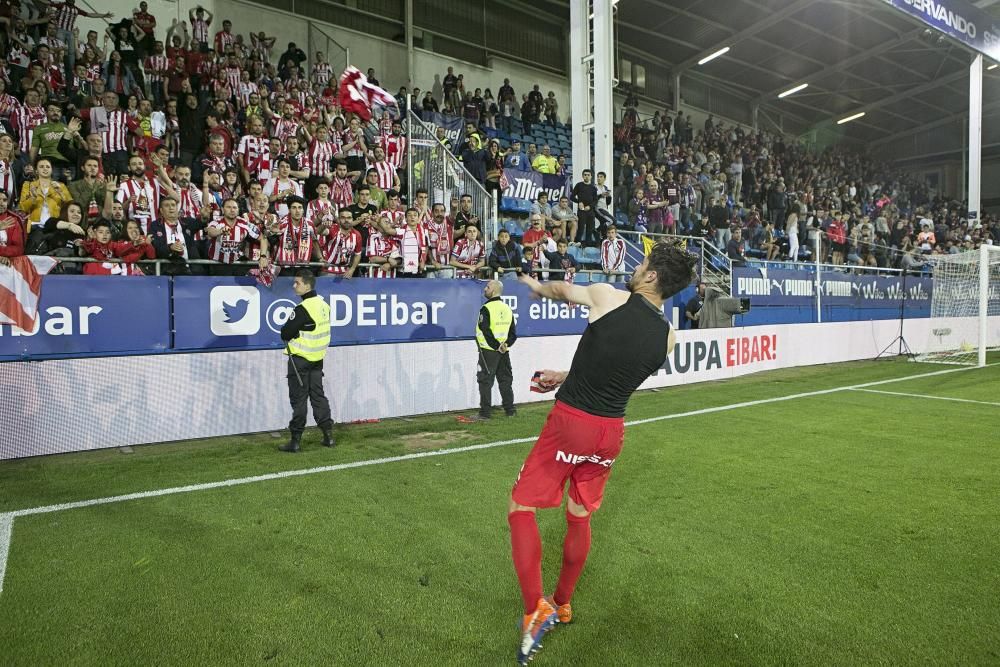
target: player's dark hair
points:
(674, 268)
(307, 276)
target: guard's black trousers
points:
(309, 390)
(492, 365)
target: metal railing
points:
(431, 166)
(812, 266)
(714, 266)
(338, 55)
(486, 272)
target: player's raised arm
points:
(593, 296)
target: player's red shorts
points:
(574, 446)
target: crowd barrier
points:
(99, 315)
(797, 295)
(66, 405)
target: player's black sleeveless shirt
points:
(616, 354)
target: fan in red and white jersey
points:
(245, 90)
(157, 69)
(321, 151)
(228, 236)
(343, 246)
(26, 117)
(266, 223)
(282, 186)
(613, 252)
(341, 187)
(297, 158)
(321, 210)
(321, 70)
(384, 126)
(440, 237)
(199, 25)
(394, 145)
(112, 123)
(286, 125)
(393, 213)
(138, 195)
(297, 240)
(469, 254)
(231, 70)
(254, 151)
(189, 205)
(382, 250)
(411, 243)
(387, 177)
(224, 39)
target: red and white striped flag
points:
(21, 289)
(360, 97)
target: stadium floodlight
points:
(850, 118)
(712, 56)
(993, 66)
(792, 91)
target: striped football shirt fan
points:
(228, 246)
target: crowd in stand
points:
(196, 143)
(755, 196)
(199, 143)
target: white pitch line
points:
(7, 519)
(938, 398)
(6, 530)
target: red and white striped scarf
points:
(296, 242)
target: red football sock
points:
(575, 549)
(526, 546)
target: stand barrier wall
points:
(147, 396)
(80, 404)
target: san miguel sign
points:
(957, 19)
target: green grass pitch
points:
(838, 529)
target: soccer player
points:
(584, 432)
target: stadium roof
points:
(856, 55)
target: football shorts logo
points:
(234, 310)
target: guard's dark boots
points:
(328, 440)
(293, 443)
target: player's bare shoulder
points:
(603, 299)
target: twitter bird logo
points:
(234, 310)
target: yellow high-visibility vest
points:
(311, 345)
(501, 317)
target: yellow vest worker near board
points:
(307, 335)
(495, 334)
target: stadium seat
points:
(513, 205)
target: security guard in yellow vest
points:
(495, 335)
(307, 335)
